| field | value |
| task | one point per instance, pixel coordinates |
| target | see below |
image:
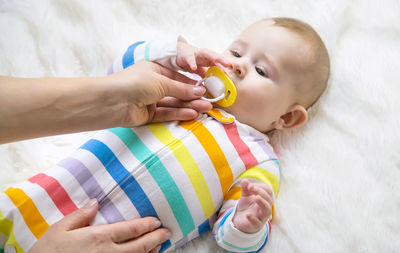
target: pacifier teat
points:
(219, 87)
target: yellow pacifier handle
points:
(230, 89)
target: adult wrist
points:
(113, 94)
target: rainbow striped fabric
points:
(180, 172)
(184, 173)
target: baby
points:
(217, 171)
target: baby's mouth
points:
(228, 72)
(232, 77)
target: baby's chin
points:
(243, 119)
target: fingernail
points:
(198, 91)
(91, 203)
(157, 224)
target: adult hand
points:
(71, 234)
(145, 92)
(154, 93)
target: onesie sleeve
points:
(224, 232)
(161, 51)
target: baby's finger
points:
(270, 193)
(221, 60)
(257, 189)
(187, 62)
(225, 62)
(206, 57)
(219, 65)
(201, 71)
(191, 61)
(267, 188)
(253, 220)
(264, 210)
(244, 184)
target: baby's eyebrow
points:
(241, 42)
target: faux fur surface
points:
(340, 189)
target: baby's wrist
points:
(229, 233)
(248, 230)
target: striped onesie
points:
(187, 174)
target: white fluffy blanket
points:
(339, 189)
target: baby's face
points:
(266, 60)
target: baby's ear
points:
(296, 116)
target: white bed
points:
(339, 189)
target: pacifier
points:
(220, 87)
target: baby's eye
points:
(260, 71)
(236, 54)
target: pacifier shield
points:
(230, 89)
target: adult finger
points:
(79, 218)
(181, 90)
(146, 242)
(127, 230)
(198, 104)
(171, 74)
(168, 114)
(156, 249)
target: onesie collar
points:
(226, 118)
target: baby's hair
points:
(308, 94)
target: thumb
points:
(79, 218)
(245, 187)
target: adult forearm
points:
(32, 108)
(143, 93)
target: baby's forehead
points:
(261, 26)
(288, 50)
(264, 22)
(267, 34)
(267, 29)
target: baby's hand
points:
(193, 59)
(254, 207)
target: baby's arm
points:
(243, 223)
(175, 54)
(163, 52)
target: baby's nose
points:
(239, 71)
